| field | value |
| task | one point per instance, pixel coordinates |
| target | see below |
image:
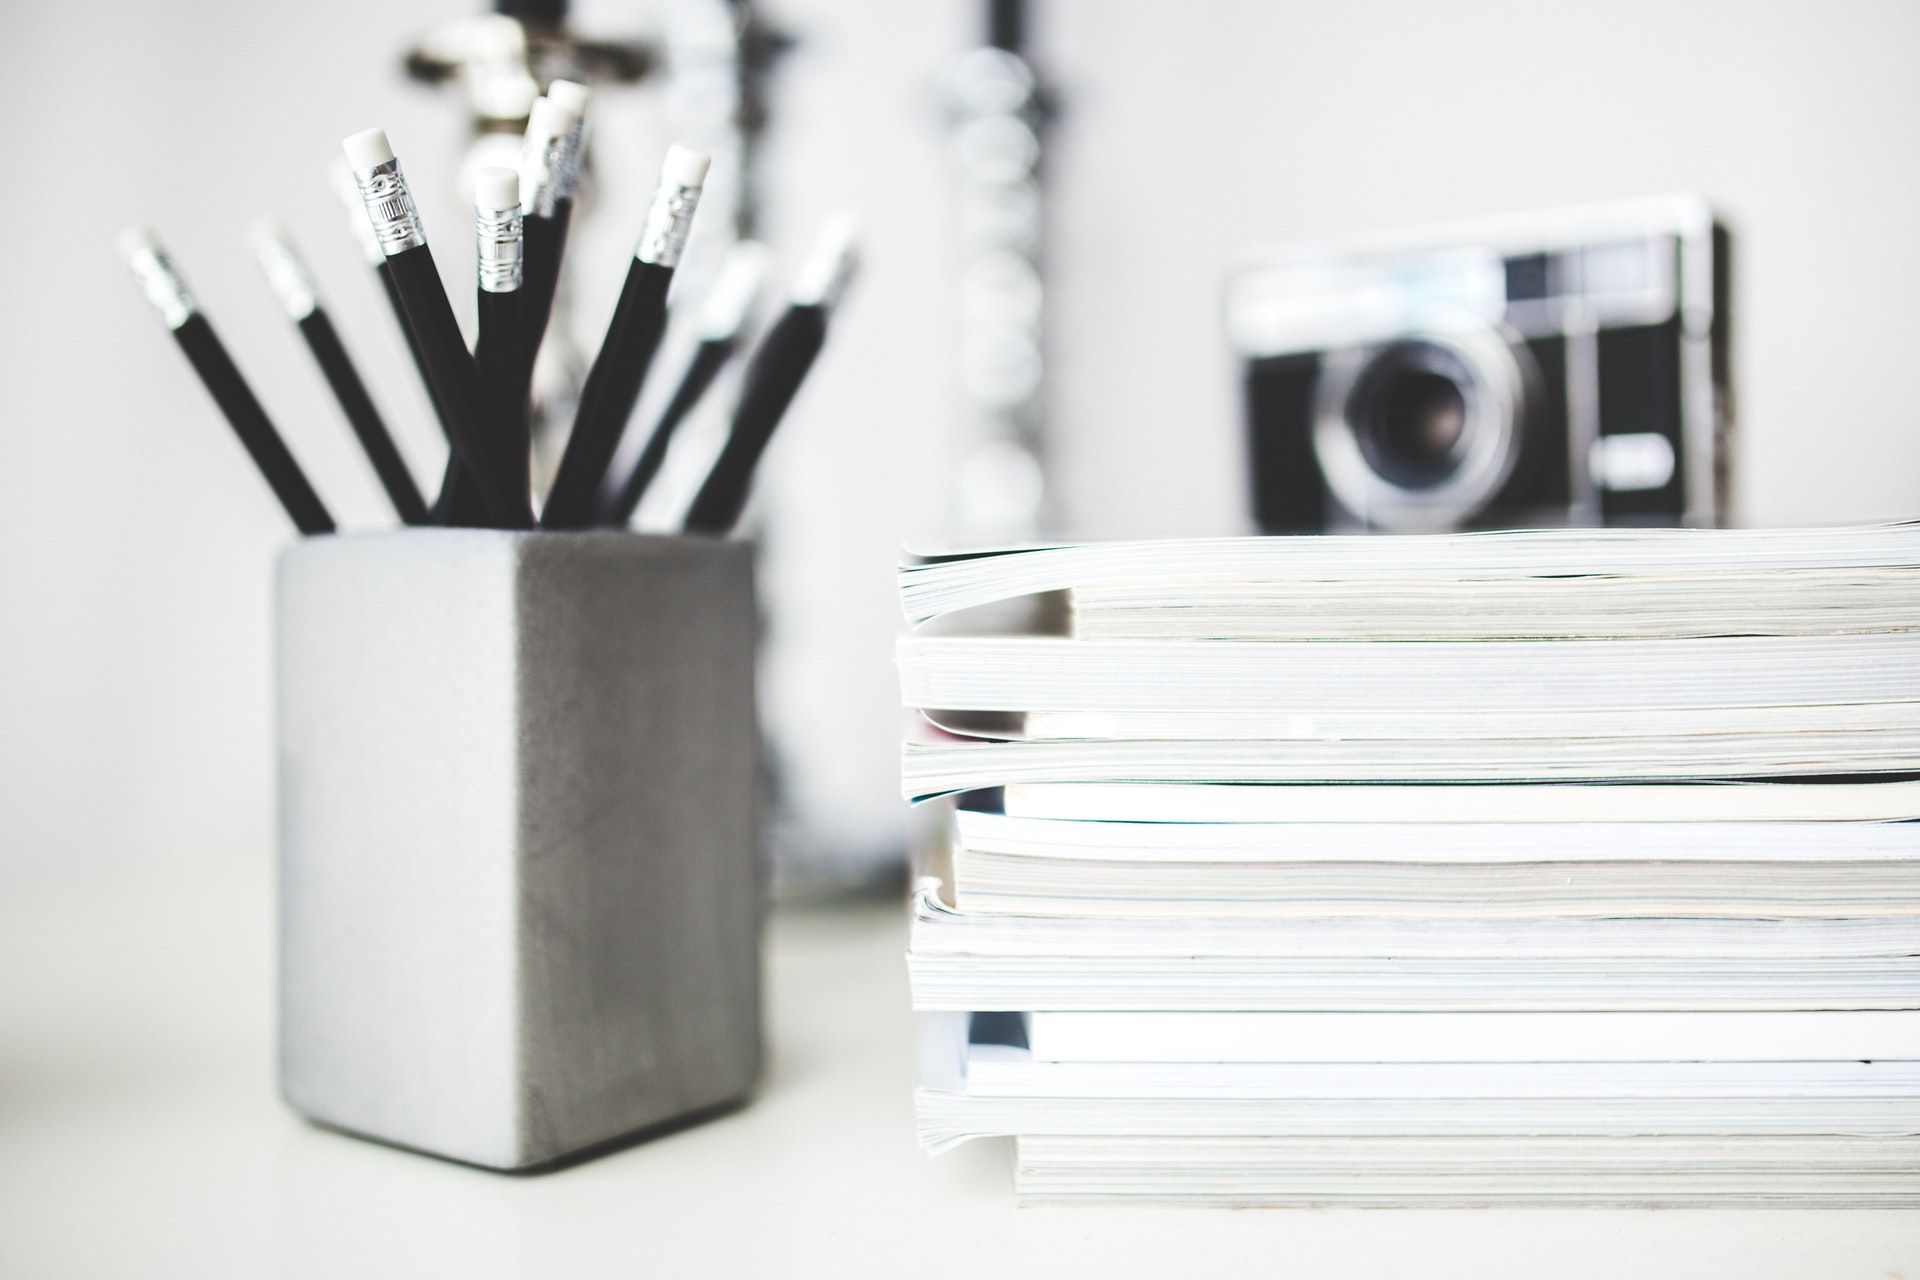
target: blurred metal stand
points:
(720, 55)
(718, 58)
(1000, 113)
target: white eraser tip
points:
(836, 243)
(839, 229)
(267, 231)
(685, 167)
(747, 260)
(829, 262)
(570, 96)
(367, 149)
(135, 241)
(548, 119)
(735, 288)
(496, 187)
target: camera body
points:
(1536, 370)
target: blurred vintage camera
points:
(1558, 368)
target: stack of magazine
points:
(1562, 867)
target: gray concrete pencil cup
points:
(520, 875)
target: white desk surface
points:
(140, 1136)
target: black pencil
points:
(450, 368)
(293, 285)
(550, 169)
(639, 318)
(360, 226)
(363, 235)
(723, 318)
(774, 372)
(223, 381)
(500, 352)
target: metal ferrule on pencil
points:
(389, 201)
(162, 285)
(357, 215)
(573, 159)
(286, 276)
(544, 167)
(499, 249)
(663, 238)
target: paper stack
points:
(1569, 867)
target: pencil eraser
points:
(135, 241)
(829, 263)
(570, 96)
(735, 288)
(496, 188)
(367, 149)
(548, 119)
(267, 231)
(684, 167)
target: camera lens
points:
(1409, 413)
(1421, 421)
(1420, 432)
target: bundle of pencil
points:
(481, 394)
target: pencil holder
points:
(520, 877)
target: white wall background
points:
(137, 548)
